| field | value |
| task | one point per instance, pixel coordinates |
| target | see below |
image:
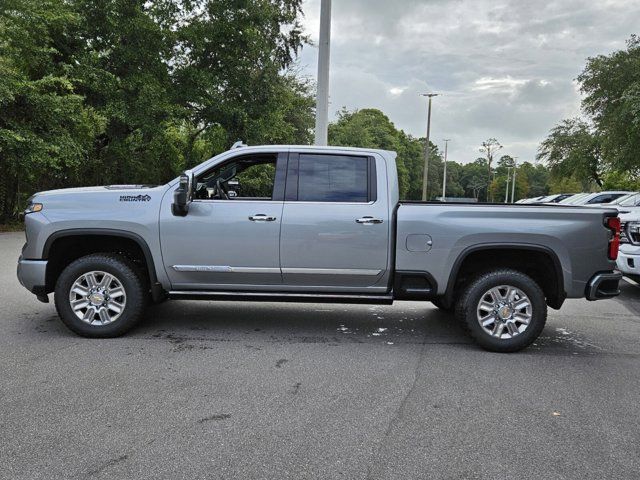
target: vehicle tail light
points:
(613, 224)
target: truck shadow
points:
(404, 322)
(188, 325)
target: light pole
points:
(513, 185)
(425, 172)
(506, 193)
(322, 95)
(444, 174)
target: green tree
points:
(474, 180)
(611, 84)
(46, 130)
(537, 178)
(564, 185)
(489, 148)
(113, 91)
(572, 149)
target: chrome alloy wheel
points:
(504, 311)
(97, 298)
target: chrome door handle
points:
(368, 220)
(261, 217)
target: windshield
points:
(574, 198)
(630, 200)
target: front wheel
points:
(504, 310)
(100, 295)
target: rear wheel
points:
(100, 295)
(504, 310)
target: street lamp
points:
(513, 185)
(322, 95)
(425, 172)
(506, 193)
(444, 174)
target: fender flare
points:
(111, 232)
(561, 295)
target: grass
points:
(11, 227)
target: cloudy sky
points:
(504, 68)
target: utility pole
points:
(322, 96)
(513, 185)
(425, 172)
(506, 193)
(444, 174)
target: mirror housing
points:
(183, 195)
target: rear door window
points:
(333, 178)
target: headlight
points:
(33, 207)
(633, 232)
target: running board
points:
(281, 297)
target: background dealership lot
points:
(223, 390)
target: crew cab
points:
(314, 224)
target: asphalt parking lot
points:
(293, 391)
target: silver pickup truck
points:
(313, 224)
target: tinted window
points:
(332, 178)
(601, 199)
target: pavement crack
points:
(399, 413)
(108, 464)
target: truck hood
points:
(105, 188)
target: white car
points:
(595, 198)
(628, 203)
(629, 255)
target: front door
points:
(230, 238)
(335, 226)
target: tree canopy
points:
(130, 91)
(601, 149)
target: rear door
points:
(335, 223)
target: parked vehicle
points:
(629, 202)
(531, 200)
(629, 257)
(320, 224)
(574, 199)
(599, 198)
(555, 198)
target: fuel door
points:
(419, 242)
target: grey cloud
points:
(505, 68)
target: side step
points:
(281, 297)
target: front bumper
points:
(32, 275)
(603, 285)
(629, 260)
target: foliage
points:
(564, 185)
(601, 151)
(130, 91)
(621, 181)
(573, 149)
(611, 84)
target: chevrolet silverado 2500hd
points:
(320, 224)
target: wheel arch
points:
(485, 254)
(65, 237)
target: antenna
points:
(239, 144)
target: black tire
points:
(468, 303)
(125, 272)
(439, 302)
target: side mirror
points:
(183, 195)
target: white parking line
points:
(631, 282)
